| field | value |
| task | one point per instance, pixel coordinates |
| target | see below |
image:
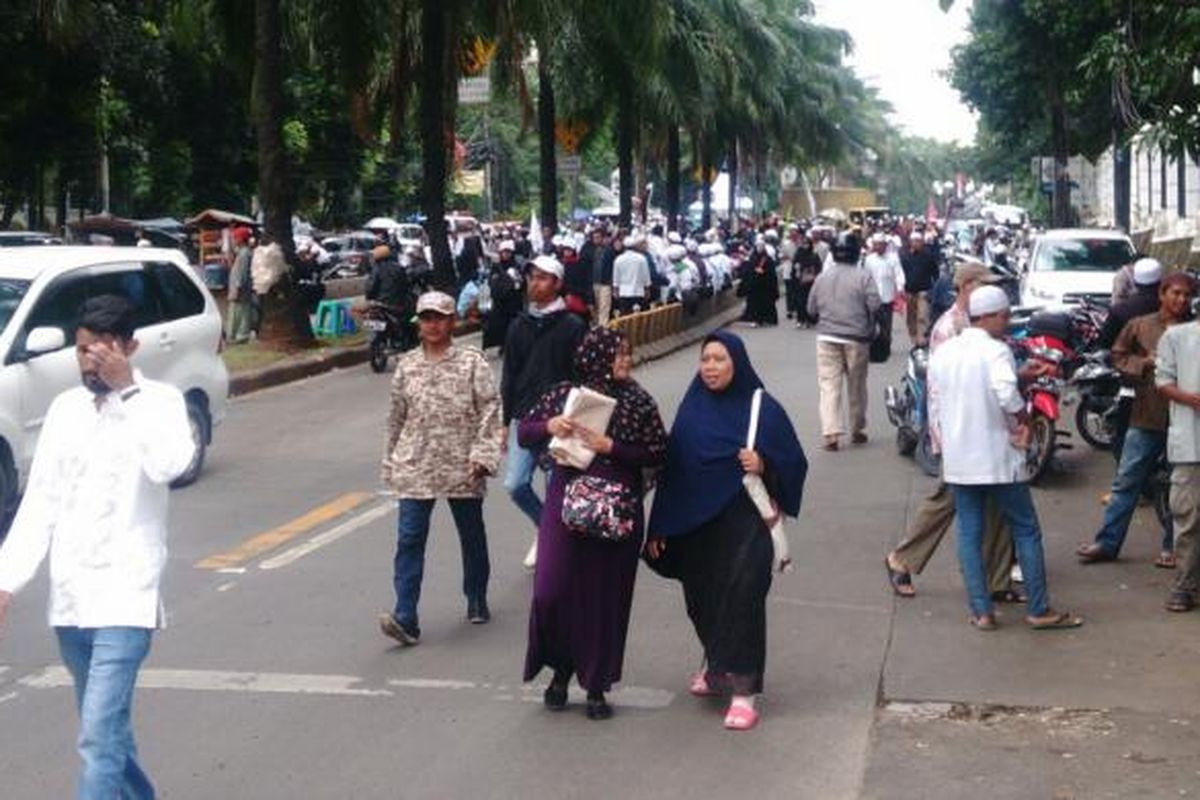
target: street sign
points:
(568, 165)
(475, 91)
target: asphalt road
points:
(272, 680)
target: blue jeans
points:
(104, 664)
(1016, 503)
(518, 477)
(1139, 460)
(412, 531)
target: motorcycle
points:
(908, 409)
(391, 332)
(1102, 391)
(1046, 342)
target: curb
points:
(307, 366)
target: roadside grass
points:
(240, 358)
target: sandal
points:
(1180, 602)
(1093, 554)
(1008, 596)
(983, 622)
(1165, 560)
(831, 443)
(700, 685)
(901, 580)
(1055, 621)
(740, 718)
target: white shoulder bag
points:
(762, 500)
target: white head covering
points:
(508, 245)
(1147, 271)
(674, 238)
(676, 252)
(550, 265)
(987, 300)
(690, 245)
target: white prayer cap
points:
(987, 300)
(674, 238)
(690, 244)
(676, 252)
(1147, 271)
(508, 245)
(549, 265)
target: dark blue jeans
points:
(412, 531)
(104, 664)
(1016, 503)
(1139, 460)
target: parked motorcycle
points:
(908, 409)
(1102, 390)
(391, 332)
(1046, 342)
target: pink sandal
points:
(700, 687)
(740, 718)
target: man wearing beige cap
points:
(444, 437)
(936, 513)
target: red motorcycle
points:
(1046, 341)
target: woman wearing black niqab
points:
(706, 531)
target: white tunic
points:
(631, 274)
(974, 392)
(97, 501)
(888, 274)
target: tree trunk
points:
(706, 169)
(1122, 153)
(625, 144)
(733, 186)
(547, 169)
(436, 144)
(1061, 205)
(673, 177)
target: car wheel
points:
(199, 423)
(8, 491)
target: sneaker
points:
(478, 613)
(406, 633)
(530, 561)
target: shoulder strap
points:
(755, 406)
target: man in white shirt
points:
(96, 501)
(631, 276)
(981, 418)
(1177, 375)
(884, 266)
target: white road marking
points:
(57, 677)
(225, 587)
(232, 571)
(793, 601)
(356, 522)
(222, 681)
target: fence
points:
(662, 322)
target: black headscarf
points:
(702, 475)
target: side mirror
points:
(44, 340)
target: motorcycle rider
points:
(1146, 439)
(388, 283)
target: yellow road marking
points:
(269, 540)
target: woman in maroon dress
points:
(583, 587)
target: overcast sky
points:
(901, 47)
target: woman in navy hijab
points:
(704, 529)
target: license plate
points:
(374, 325)
(1126, 391)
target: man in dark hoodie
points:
(538, 353)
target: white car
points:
(41, 290)
(1070, 264)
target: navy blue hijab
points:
(702, 475)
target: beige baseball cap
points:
(976, 271)
(437, 302)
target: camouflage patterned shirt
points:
(445, 416)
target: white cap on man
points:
(507, 245)
(549, 265)
(987, 300)
(1147, 271)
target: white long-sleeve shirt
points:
(888, 274)
(96, 500)
(974, 393)
(631, 274)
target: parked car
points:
(351, 253)
(41, 290)
(1070, 264)
(27, 238)
(409, 234)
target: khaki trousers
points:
(934, 518)
(603, 295)
(1185, 512)
(916, 315)
(835, 361)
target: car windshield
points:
(11, 292)
(1083, 255)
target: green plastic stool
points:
(330, 318)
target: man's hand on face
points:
(112, 365)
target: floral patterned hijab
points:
(635, 419)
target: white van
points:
(1071, 264)
(41, 290)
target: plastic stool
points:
(329, 318)
(348, 327)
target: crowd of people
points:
(565, 405)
